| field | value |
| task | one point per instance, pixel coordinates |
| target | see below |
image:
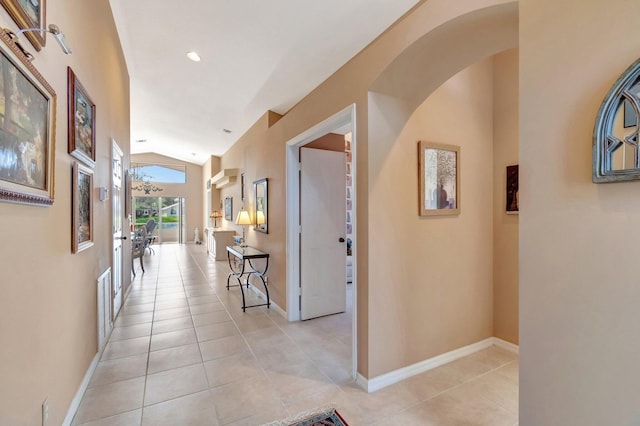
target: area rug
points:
(325, 416)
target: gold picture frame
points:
(29, 14)
(439, 179)
(81, 121)
(27, 136)
(82, 207)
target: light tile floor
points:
(183, 353)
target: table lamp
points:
(215, 215)
(244, 220)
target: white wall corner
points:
(362, 382)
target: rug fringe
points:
(302, 416)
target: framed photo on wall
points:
(439, 179)
(82, 208)
(228, 208)
(27, 136)
(512, 190)
(82, 121)
(29, 14)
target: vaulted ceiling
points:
(256, 55)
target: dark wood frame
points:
(19, 15)
(76, 244)
(75, 88)
(511, 190)
(242, 187)
(13, 190)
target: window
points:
(159, 173)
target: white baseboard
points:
(507, 346)
(384, 380)
(273, 306)
(75, 403)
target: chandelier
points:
(147, 187)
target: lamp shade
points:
(260, 219)
(215, 214)
(243, 218)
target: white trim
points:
(75, 403)
(362, 382)
(262, 296)
(384, 380)
(507, 346)
(340, 119)
(345, 117)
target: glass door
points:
(167, 212)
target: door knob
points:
(121, 238)
(341, 240)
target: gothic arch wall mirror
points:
(616, 156)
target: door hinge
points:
(299, 167)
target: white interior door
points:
(117, 198)
(323, 229)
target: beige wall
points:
(329, 142)
(209, 169)
(505, 227)
(48, 317)
(431, 290)
(579, 292)
(474, 29)
(191, 191)
(259, 159)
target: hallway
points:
(183, 352)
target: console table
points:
(242, 257)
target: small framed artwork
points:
(439, 179)
(27, 130)
(82, 121)
(228, 208)
(242, 186)
(82, 208)
(512, 190)
(29, 14)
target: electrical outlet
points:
(45, 412)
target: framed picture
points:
(82, 208)
(228, 208)
(439, 179)
(242, 186)
(512, 190)
(82, 121)
(27, 130)
(29, 14)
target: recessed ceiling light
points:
(193, 56)
(193, 153)
(226, 130)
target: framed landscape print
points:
(29, 14)
(82, 208)
(512, 190)
(82, 121)
(27, 130)
(439, 179)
